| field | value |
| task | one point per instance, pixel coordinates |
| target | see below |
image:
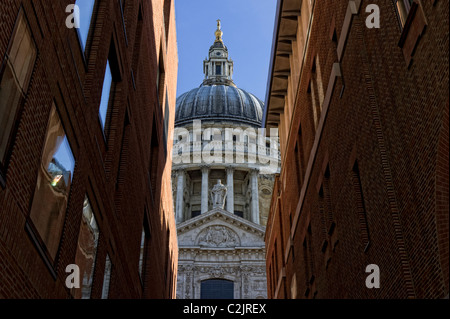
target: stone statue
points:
(218, 195)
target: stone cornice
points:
(224, 216)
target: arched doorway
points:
(217, 289)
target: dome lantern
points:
(218, 98)
(218, 69)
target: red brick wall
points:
(119, 196)
(393, 120)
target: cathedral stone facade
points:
(221, 192)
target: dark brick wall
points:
(392, 119)
(112, 171)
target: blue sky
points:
(248, 31)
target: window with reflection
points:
(54, 180)
(86, 9)
(403, 7)
(15, 74)
(106, 278)
(86, 250)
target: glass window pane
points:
(9, 101)
(106, 90)
(142, 252)
(86, 8)
(22, 53)
(403, 7)
(53, 185)
(14, 82)
(106, 278)
(86, 250)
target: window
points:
(327, 201)
(310, 256)
(137, 42)
(123, 158)
(106, 91)
(122, 10)
(15, 74)
(160, 78)
(154, 155)
(142, 253)
(218, 69)
(360, 207)
(238, 213)
(106, 278)
(86, 250)
(316, 90)
(299, 158)
(323, 220)
(86, 9)
(403, 7)
(166, 122)
(217, 289)
(51, 195)
(195, 213)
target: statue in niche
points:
(218, 195)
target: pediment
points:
(220, 229)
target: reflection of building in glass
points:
(86, 250)
(61, 176)
(53, 187)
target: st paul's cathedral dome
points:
(218, 98)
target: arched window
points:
(217, 289)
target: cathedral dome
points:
(218, 98)
(219, 103)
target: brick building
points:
(363, 121)
(85, 119)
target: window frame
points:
(4, 162)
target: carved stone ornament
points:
(218, 236)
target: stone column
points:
(255, 197)
(180, 196)
(205, 188)
(230, 187)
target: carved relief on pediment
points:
(218, 236)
